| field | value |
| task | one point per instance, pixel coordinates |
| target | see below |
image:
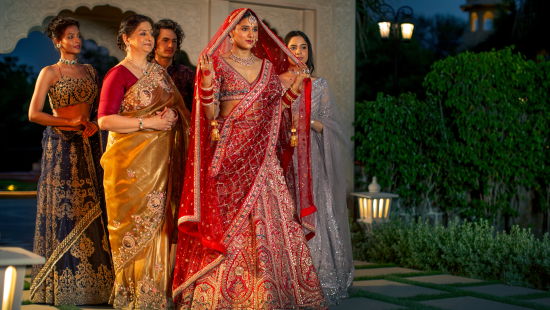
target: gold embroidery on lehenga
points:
(70, 91)
(63, 247)
(68, 194)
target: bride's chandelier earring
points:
(231, 40)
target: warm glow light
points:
(10, 277)
(384, 29)
(374, 206)
(362, 207)
(11, 187)
(407, 30)
(387, 209)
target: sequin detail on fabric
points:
(69, 91)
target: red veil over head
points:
(197, 215)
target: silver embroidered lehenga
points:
(331, 246)
(71, 228)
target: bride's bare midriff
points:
(81, 110)
(227, 106)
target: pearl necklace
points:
(249, 61)
(67, 61)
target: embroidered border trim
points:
(178, 290)
(64, 246)
(238, 111)
(253, 194)
(196, 216)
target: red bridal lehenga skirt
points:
(268, 264)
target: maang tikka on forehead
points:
(252, 19)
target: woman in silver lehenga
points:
(331, 245)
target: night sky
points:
(429, 8)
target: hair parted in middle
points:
(298, 33)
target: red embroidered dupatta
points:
(221, 177)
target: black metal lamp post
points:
(396, 25)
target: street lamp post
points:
(396, 25)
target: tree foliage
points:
(473, 146)
(21, 138)
(392, 66)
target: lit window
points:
(473, 22)
(488, 21)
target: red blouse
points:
(115, 84)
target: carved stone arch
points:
(19, 17)
(99, 24)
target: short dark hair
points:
(171, 25)
(298, 33)
(128, 25)
(57, 26)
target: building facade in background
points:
(482, 14)
(329, 23)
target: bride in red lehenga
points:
(242, 240)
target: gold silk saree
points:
(143, 173)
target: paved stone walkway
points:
(378, 287)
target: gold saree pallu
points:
(141, 168)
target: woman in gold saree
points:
(143, 163)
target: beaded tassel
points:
(293, 137)
(215, 135)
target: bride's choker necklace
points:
(249, 61)
(67, 61)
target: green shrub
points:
(473, 147)
(473, 249)
(394, 137)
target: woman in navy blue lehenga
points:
(71, 230)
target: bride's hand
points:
(206, 67)
(303, 74)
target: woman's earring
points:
(58, 45)
(231, 40)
